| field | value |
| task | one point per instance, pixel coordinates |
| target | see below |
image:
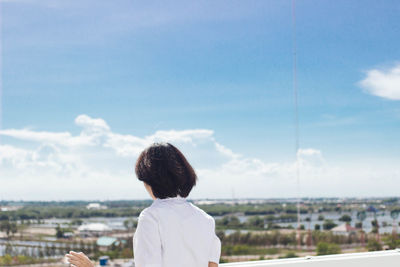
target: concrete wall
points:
(389, 258)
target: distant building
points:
(344, 229)
(372, 209)
(93, 229)
(68, 235)
(9, 208)
(95, 206)
(105, 242)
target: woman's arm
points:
(215, 252)
(147, 241)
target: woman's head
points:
(165, 169)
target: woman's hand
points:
(79, 259)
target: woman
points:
(172, 232)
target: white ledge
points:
(387, 258)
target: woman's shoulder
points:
(203, 213)
(156, 212)
(147, 214)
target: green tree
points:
(328, 225)
(375, 226)
(47, 251)
(8, 249)
(391, 241)
(59, 232)
(41, 253)
(324, 248)
(130, 223)
(77, 222)
(10, 228)
(345, 218)
(82, 246)
(374, 245)
(96, 247)
(234, 221)
(53, 250)
(256, 221)
(290, 254)
(7, 259)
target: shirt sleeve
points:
(147, 241)
(215, 252)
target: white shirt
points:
(173, 232)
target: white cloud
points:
(226, 151)
(310, 158)
(96, 153)
(384, 83)
(187, 136)
(92, 125)
(26, 134)
(10, 155)
(99, 163)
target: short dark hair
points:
(166, 170)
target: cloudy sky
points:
(87, 85)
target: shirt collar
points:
(177, 199)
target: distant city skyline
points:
(86, 86)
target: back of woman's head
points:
(165, 169)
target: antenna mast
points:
(296, 118)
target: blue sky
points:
(141, 67)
